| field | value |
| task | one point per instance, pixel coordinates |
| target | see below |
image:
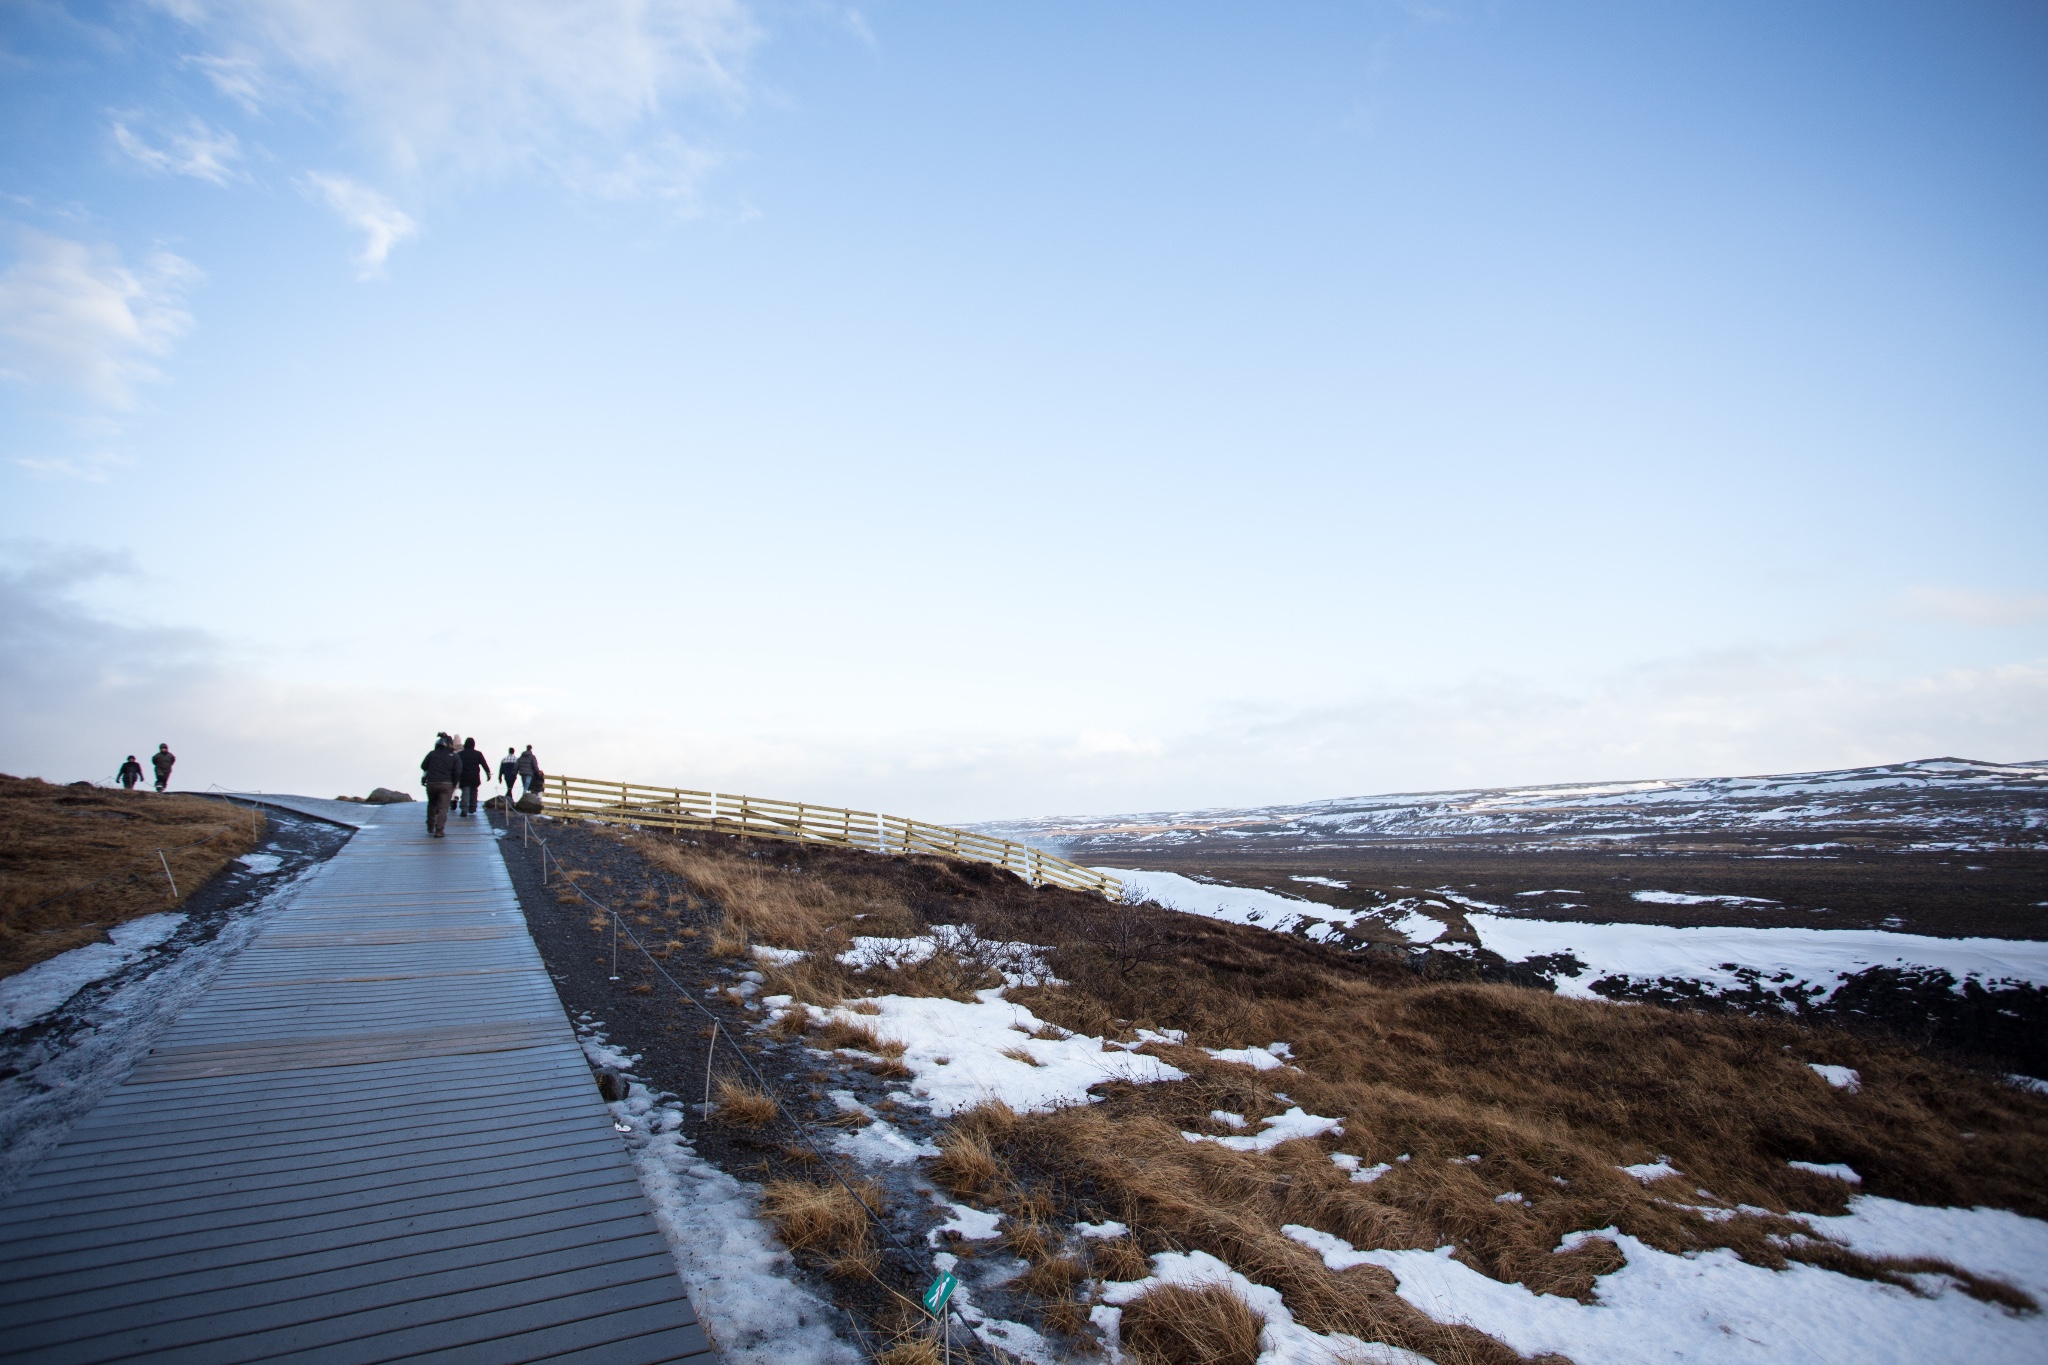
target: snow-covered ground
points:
(1939, 803)
(28, 996)
(1716, 957)
(1711, 1306)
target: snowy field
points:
(1940, 803)
(1723, 958)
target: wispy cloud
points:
(461, 86)
(1967, 607)
(382, 223)
(73, 314)
(84, 468)
(200, 151)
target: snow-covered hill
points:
(1930, 803)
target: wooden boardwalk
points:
(375, 1138)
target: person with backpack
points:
(130, 774)
(473, 767)
(439, 771)
(162, 760)
(530, 773)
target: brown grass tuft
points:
(1176, 1325)
(911, 1350)
(743, 1106)
(1018, 1054)
(824, 1224)
(1121, 1259)
(968, 1166)
(1054, 1277)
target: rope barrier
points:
(528, 838)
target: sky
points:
(995, 410)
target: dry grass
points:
(75, 861)
(824, 1225)
(1177, 1325)
(741, 1105)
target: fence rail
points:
(757, 817)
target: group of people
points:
(450, 768)
(161, 760)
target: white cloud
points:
(200, 151)
(85, 468)
(460, 84)
(1962, 606)
(73, 314)
(382, 223)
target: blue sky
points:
(981, 411)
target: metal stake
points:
(167, 873)
(615, 945)
(709, 1053)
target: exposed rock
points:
(384, 796)
(530, 804)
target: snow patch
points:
(261, 862)
(1295, 1123)
(1681, 898)
(1840, 1077)
(970, 1223)
(1710, 1306)
(1283, 1341)
(28, 996)
(973, 1038)
(1835, 1170)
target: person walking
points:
(473, 768)
(162, 760)
(508, 773)
(530, 773)
(439, 770)
(130, 774)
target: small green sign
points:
(941, 1290)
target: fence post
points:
(167, 873)
(709, 1053)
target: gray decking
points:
(375, 1138)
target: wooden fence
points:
(633, 803)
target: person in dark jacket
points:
(474, 768)
(130, 774)
(439, 770)
(162, 760)
(530, 773)
(508, 772)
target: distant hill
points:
(1929, 804)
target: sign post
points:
(936, 1296)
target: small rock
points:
(530, 804)
(611, 1086)
(384, 796)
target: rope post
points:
(615, 945)
(709, 1053)
(167, 873)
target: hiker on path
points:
(530, 773)
(162, 760)
(508, 773)
(474, 767)
(438, 770)
(130, 774)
